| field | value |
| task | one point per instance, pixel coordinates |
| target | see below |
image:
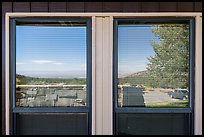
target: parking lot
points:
(157, 96)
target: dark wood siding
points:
(57, 6)
(167, 6)
(198, 6)
(150, 6)
(75, 7)
(86, 7)
(131, 6)
(21, 6)
(93, 7)
(39, 6)
(112, 6)
(185, 6)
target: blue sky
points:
(134, 47)
(55, 51)
(59, 51)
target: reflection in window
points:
(153, 65)
(51, 65)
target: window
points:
(110, 93)
(153, 59)
(51, 73)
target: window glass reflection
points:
(51, 65)
(153, 65)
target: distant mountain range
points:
(28, 80)
(137, 74)
(133, 79)
(138, 78)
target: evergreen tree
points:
(169, 66)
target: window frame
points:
(157, 110)
(47, 109)
(106, 126)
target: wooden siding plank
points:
(198, 6)
(111, 6)
(150, 6)
(6, 7)
(39, 6)
(21, 6)
(75, 7)
(131, 6)
(185, 6)
(57, 7)
(93, 7)
(168, 6)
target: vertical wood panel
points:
(6, 7)
(93, 76)
(39, 6)
(185, 6)
(99, 76)
(21, 6)
(75, 7)
(168, 6)
(93, 6)
(57, 7)
(198, 6)
(111, 6)
(150, 6)
(131, 6)
(107, 75)
(198, 77)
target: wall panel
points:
(75, 6)
(150, 6)
(39, 6)
(185, 6)
(131, 6)
(198, 6)
(57, 7)
(21, 6)
(167, 6)
(93, 7)
(112, 6)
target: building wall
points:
(86, 7)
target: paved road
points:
(156, 96)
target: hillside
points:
(139, 78)
(26, 80)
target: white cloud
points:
(20, 63)
(58, 63)
(46, 62)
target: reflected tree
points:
(169, 67)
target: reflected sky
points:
(134, 46)
(48, 51)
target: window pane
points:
(153, 65)
(152, 124)
(52, 124)
(51, 64)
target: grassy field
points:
(175, 104)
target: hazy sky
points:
(49, 50)
(134, 47)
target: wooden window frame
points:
(157, 110)
(102, 53)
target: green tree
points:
(169, 66)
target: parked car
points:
(179, 94)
